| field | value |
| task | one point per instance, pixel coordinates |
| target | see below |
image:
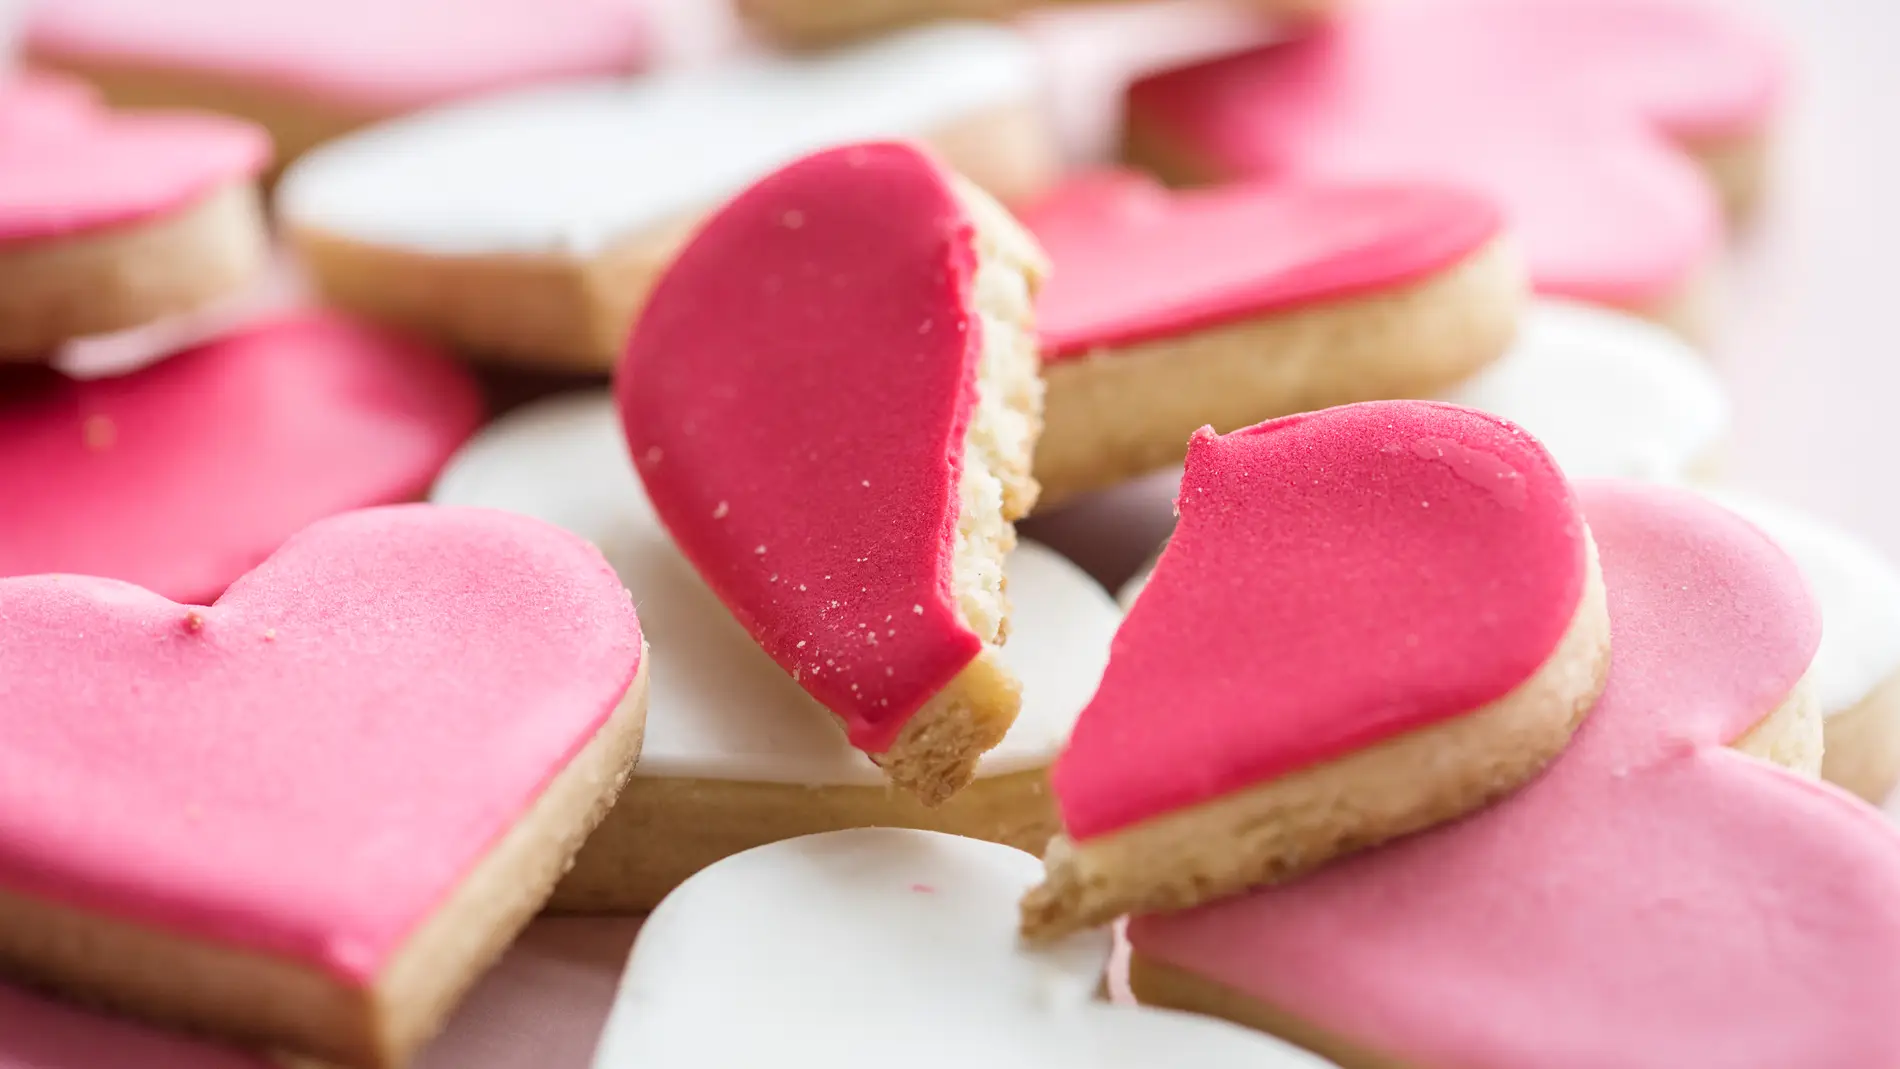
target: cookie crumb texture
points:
(832, 400)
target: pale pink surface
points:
(1719, 911)
(37, 1033)
(308, 767)
(71, 165)
(373, 55)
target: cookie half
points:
(831, 400)
(1370, 620)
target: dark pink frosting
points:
(796, 395)
(182, 475)
(1337, 578)
(1134, 262)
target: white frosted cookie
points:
(736, 754)
(868, 948)
(1856, 672)
(529, 225)
(1610, 395)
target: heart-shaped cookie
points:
(1370, 619)
(831, 400)
(109, 220)
(1656, 899)
(530, 226)
(736, 754)
(311, 71)
(182, 475)
(919, 928)
(309, 815)
(1584, 119)
(1172, 311)
(1856, 673)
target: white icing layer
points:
(872, 948)
(1610, 395)
(718, 706)
(568, 170)
(1859, 594)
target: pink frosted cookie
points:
(182, 475)
(309, 70)
(832, 399)
(308, 816)
(1655, 900)
(1370, 619)
(109, 220)
(1172, 311)
(1610, 130)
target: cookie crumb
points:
(194, 621)
(918, 609)
(270, 634)
(99, 433)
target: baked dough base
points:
(664, 829)
(121, 277)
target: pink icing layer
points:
(1134, 262)
(1337, 578)
(1654, 901)
(309, 766)
(183, 475)
(1553, 107)
(72, 166)
(36, 1033)
(795, 396)
(381, 56)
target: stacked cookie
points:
(1460, 723)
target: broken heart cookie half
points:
(832, 399)
(1371, 619)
